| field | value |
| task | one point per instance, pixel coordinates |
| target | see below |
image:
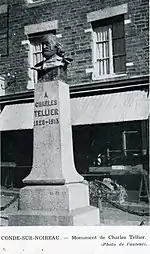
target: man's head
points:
(51, 46)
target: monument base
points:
(87, 216)
(64, 205)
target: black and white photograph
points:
(74, 113)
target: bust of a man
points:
(53, 54)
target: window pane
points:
(119, 64)
(38, 58)
(105, 49)
(100, 67)
(118, 29)
(118, 46)
(103, 67)
(99, 51)
(34, 59)
(101, 33)
(35, 76)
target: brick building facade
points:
(108, 41)
(74, 27)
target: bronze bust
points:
(53, 54)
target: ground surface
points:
(109, 216)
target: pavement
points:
(115, 217)
(110, 216)
(7, 196)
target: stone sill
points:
(38, 3)
(109, 77)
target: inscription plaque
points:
(46, 112)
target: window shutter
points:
(118, 41)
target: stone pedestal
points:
(64, 205)
(55, 193)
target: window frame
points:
(96, 25)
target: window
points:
(109, 47)
(36, 54)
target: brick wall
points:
(72, 22)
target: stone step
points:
(85, 216)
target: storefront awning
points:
(110, 108)
(17, 117)
(106, 108)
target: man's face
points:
(48, 48)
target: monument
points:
(55, 194)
